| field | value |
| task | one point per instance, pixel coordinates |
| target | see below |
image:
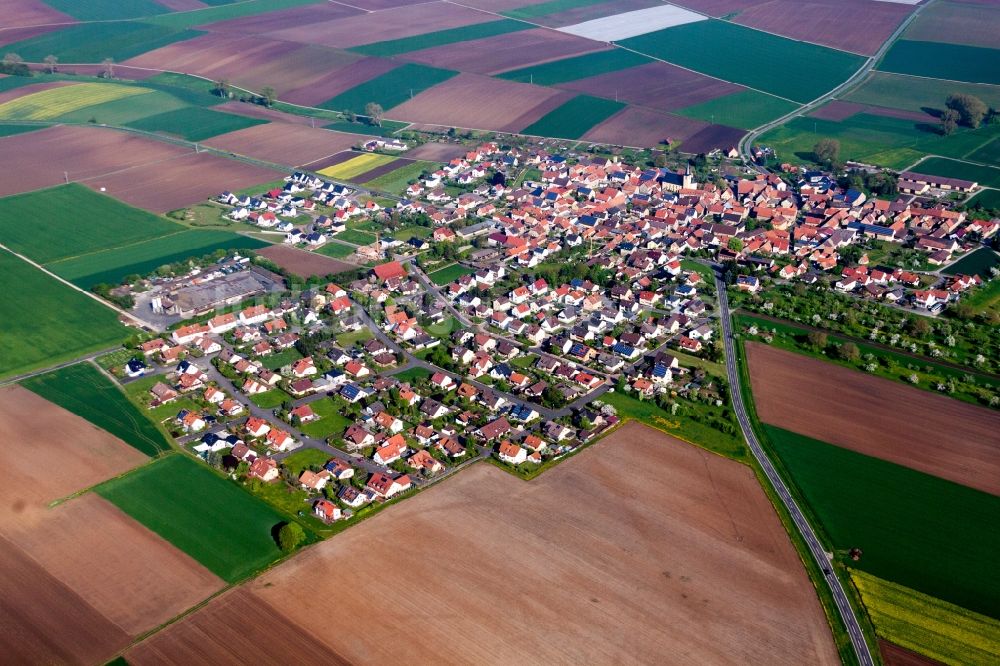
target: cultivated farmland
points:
(914, 94)
(46, 322)
(958, 23)
(92, 42)
(927, 432)
(389, 89)
(305, 264)
(976, 263)
(54, 102)
(437, 38)
(710, 574)
(955, 62)
(618, 27)
(206, 516)
(746, 109)
(356, 166)
(194, 123)
(283, 143)
(395, 181)
(85, 391)
(579, 67)
(637, 126)
(941, 166)
(574, 118)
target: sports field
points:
(914, 529)
(85, 391)
(720, 49)
(574, 118)
(209, 518)
(356, 166)
(46, 322)
(390, 89)
(577, 67)
(746, 109)
(428, 40)
(194, 123)
(55, 102)
(955, 62)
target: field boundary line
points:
(117, 247)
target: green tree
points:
(970, 108)
(827, 151)
(50, 63)
(735, 244)
(949, 121)
(849, 352)
(268, 95)
(817, 339)
(374, 112)
(290, 537)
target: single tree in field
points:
(817, 339)
(970, 109)
(222, 87)
(374, 112)
(949, 121)
(50, 63)
(109, 68)
(268, 95)
(827, 151)
(290, 536)
(12, 59)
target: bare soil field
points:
(437, 152)
(718, 7)
(636, 126)
(470, 100)
(498, 5)
(840, 110)
(958, 24)
(383, 25)
(894, 655)
(711, 137)
(180, 182)
(282, 19)
(217, 634)
(658, 84)
(18, 13)
(11, 35)
(574, 567)
(821, 21)
(340, 79)
(281, 143)
(258, 111)
(591, 12)
(505, 52)
(878, 417)
(302, 263)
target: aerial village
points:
(497, 335)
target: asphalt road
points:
(801, 524)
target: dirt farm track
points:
(878, 417)
(639, 548)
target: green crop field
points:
(911, 93)
(194, 123)
(45, 322)
(940, 166)
(99, 10)
(395, 182)
(987, 199)
(955, 62)
(550, 7)
(209, 518)
(93, 42)
(574, 118)
(932, 535)
(721, 49)
(70, 220)
(83, 390)
(390, 89)
(142, 258)
(11, 130)
(976, 263)
(449, 274)
(394, 47)
(988, 154)
(231, 10)
(577, 67)
(388, 128)
(331, 421)
(929, 626)
(746, 109)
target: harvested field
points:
(437, 152)
(504, 52)
(821, 21)
(282, 19)
(294, 145)
(658, 84)
(210, 636)
(632, 24)
(302, 263)
(878, 417)
(893, 655)
(180, 182)
(958, 23)
(634, 126)
(710, 574)
(470, 100)
(711, 137)
(31, 12)
(382, 26)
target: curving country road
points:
(847, 616)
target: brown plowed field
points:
(894, 655)
(635, 126)
(712, 137)
(591, 12)
(302, 263)
(31, 12)
(282, 19)
(11, 35)
(975, 25)
(470, 100)
(437, 152)
(294, 145)
(718, 7)
(499, 5)
(258, 111)
(180, 182)
(337, 81)
(380, 26)
(838, 110)
(658, 84)
(823, 21)
(878, 417)
(504, 52)
(236, 628)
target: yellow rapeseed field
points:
(355, 166)
(54, 102)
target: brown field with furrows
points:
(840, 110)
(302, 263)
(877, 417)
(822, 21)
(504, 52)
(470, 100)
(217, 634)
(18, 13)
(382, 170)
(282, 19)
(712, 137)
(380, 26)
(258, 111)
(591, 12)
(12, 35)
(294, 145)
(637, 550)
(180, 182)
(658, 84)
(894, 655)
(635, 126)
(718, 7)
(340, 79)
(974, 25)
(437, 152)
